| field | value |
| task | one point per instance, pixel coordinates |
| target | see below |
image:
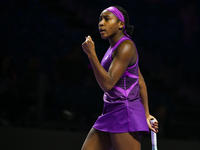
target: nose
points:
(101, 23)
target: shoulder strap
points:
(119, 42)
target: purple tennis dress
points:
(123, 110)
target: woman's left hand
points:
(153, 127)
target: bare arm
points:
(123, 57)
(144, 98)
(143, 93)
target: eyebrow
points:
(103, 16)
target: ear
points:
(121, 25)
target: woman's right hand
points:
(88, 46)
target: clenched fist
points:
(88, 46)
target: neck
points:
(113, 40)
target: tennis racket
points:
(153, 136)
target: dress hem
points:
(142, 132)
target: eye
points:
(106, 18)
(100, 18)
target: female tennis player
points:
(125, 114)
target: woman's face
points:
(109, 24)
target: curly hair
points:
(129, 28)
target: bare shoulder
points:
(126, 47)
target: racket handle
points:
(154, 147)
(153, 136)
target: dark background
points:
(46, 81)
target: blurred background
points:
(46, 81)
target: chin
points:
(104, 37)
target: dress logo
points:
(106, 57)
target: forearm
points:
(144, 97)
(102, 76)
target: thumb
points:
(89, 38)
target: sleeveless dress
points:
(123, 110)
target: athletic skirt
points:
(122, 116)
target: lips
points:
(102, 30)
